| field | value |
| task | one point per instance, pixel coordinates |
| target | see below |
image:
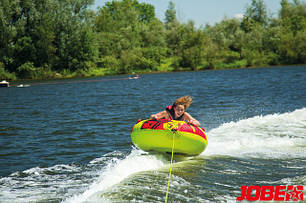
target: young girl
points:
(177, 111)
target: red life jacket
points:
(170, 111)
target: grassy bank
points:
(47, 74)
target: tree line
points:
(66, 38)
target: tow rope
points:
(174, 131)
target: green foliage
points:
(28, 70)
(34, 33)
(4, 74)
(292, 29)
(130, 36)
(257, 12)
(64, 38)
(170, 15)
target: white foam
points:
(73, 183)
(37, 183)
(276, 135)
(118, 170)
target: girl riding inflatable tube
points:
(166, 135)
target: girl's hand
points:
(194, 122)
(153, 117)
(190, 122)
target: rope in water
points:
(170, 168)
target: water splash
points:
(41, 183)
(116, 171)
(270, 136)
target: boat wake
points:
(271, 136)
(116, 171)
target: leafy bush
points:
(29, 71)
(5, 75)
(236, 64)
(109, 62)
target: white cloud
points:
(239, 16)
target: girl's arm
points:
(160, 115)
(192, 120)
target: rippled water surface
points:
(69, 140)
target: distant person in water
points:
(135, 77)
(177, 111)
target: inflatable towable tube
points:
(158, 135)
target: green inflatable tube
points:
(158, 135)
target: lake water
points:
(69, 140)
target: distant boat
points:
(135, 77)
(22, 85)
(4, 83)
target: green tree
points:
(191, 47)
(54, 34)
(292, 25)
(226, 41)
(39, 37)
(170, 15)
(253, 47)
(130, 32)
(75, 38)
(257, 12)
(285, 9)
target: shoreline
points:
(59, 77)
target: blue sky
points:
(204, 11)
